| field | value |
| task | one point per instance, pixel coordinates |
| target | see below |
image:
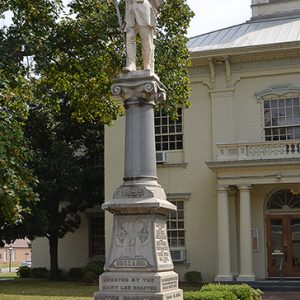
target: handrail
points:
(258, 150)
(281, 266)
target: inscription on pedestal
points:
(161, 243)
(131, 263)
(141, 298)
(141, 282)
(176, 295)
(169, 283)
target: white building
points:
(231, 161)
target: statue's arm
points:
(157, 4)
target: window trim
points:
(271, 93)
(89, 218)
(168, 134)
(279, 113)
(177, 230)
(277, 91)
(172, 197)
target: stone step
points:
(286, 285)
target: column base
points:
(223, 278)
(245, 278)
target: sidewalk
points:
(281, 296)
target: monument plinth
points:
(139, 265)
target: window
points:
(168, 133)
(284, 199)
(175, 224)
(282, 119)
(96, 235)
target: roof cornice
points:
(246, 51)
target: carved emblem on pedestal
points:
(121, 234)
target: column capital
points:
(244, 187)
(222, 188)
(137, 85)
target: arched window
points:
(284, 199)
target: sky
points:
(211, 15)
(214, 14)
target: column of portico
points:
(223, 236)
(246, 265)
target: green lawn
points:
(13, 265)
(21, 289)
(8, 275)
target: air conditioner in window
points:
(161, 157)
(178, 254)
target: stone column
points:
(140, 140)
(246, 264)
(223, 236)
(139, 265)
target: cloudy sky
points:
(216, 14)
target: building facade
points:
(76, 249)
(17, 252)
(231, 162)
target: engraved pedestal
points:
(139, 265)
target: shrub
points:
(242, 291)
(92, 271)
(24, 272)
(193, 277)
(39, 273)
(75, 273)
(94, 267)
(209, 295)
(90, 277)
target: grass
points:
(13, 265)
(21, 289)
(8, 275)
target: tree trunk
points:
(53, 243)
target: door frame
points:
(289, 271)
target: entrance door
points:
(284, 240)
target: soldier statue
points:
(140, 18)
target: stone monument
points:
(139, 265)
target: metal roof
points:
(249, 34)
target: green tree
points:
(67, 61)
(16, 179)
(79, 55)
(68, 164)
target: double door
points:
(283, 245)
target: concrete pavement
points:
(281, 296)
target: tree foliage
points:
(60, 64)
(16, 179)
(172, 55)
(78, 54)
(67, 160)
